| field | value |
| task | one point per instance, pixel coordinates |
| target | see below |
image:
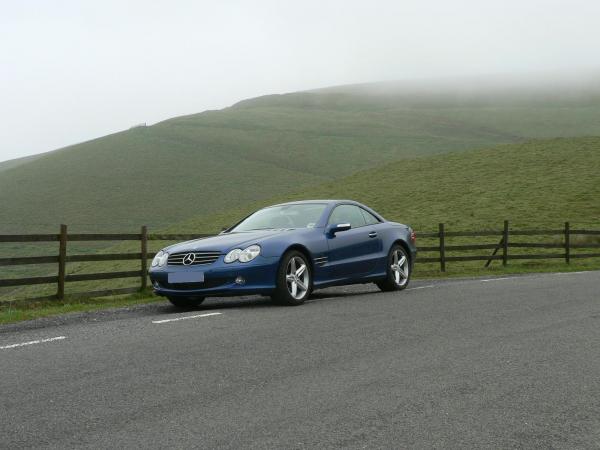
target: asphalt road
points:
(502, 363)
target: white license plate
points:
(186, 277)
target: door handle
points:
(372, 234)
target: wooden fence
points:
(500, 251)
(63, 258)
(506, 234)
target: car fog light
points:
(240, 280)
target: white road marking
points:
(496, 279)
(39, 341)
(186, 317)
(421, 287)
(457, 282)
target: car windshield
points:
(305, 215)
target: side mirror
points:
(336, 228)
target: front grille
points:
(194, 258)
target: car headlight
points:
(160, 259)
(246, 255)
(233, 255)
(249, 253)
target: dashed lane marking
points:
(37, 341)
(186, 317)
(421, 287)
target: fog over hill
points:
(202, 163)
(544, 89)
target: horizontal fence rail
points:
(502, 250)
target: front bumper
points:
(219, 278)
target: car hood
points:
(225, 242)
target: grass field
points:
(536, 183)
(219, 160)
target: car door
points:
(374, 226)
(352, 252)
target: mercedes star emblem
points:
(189, 259)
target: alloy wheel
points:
(297, 277)
(400, 267)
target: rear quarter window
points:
(369, 218)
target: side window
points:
(347, 214)
(369, 218)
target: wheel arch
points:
(402, 243)
(305, 251)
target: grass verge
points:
(21, 310)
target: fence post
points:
(442, 248)
(505, 244)
(62, 262)
(567, 243)
(144, 250)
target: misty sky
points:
(75, 70)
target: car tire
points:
(186, 302)
(293, 289)
(396, 280)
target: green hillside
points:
(5, 165)
(536, 183)
(218, 160)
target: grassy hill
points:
(204, 163)
(5, 165)
(535, 183)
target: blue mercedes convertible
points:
(286, 251)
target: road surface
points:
(506, 362)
